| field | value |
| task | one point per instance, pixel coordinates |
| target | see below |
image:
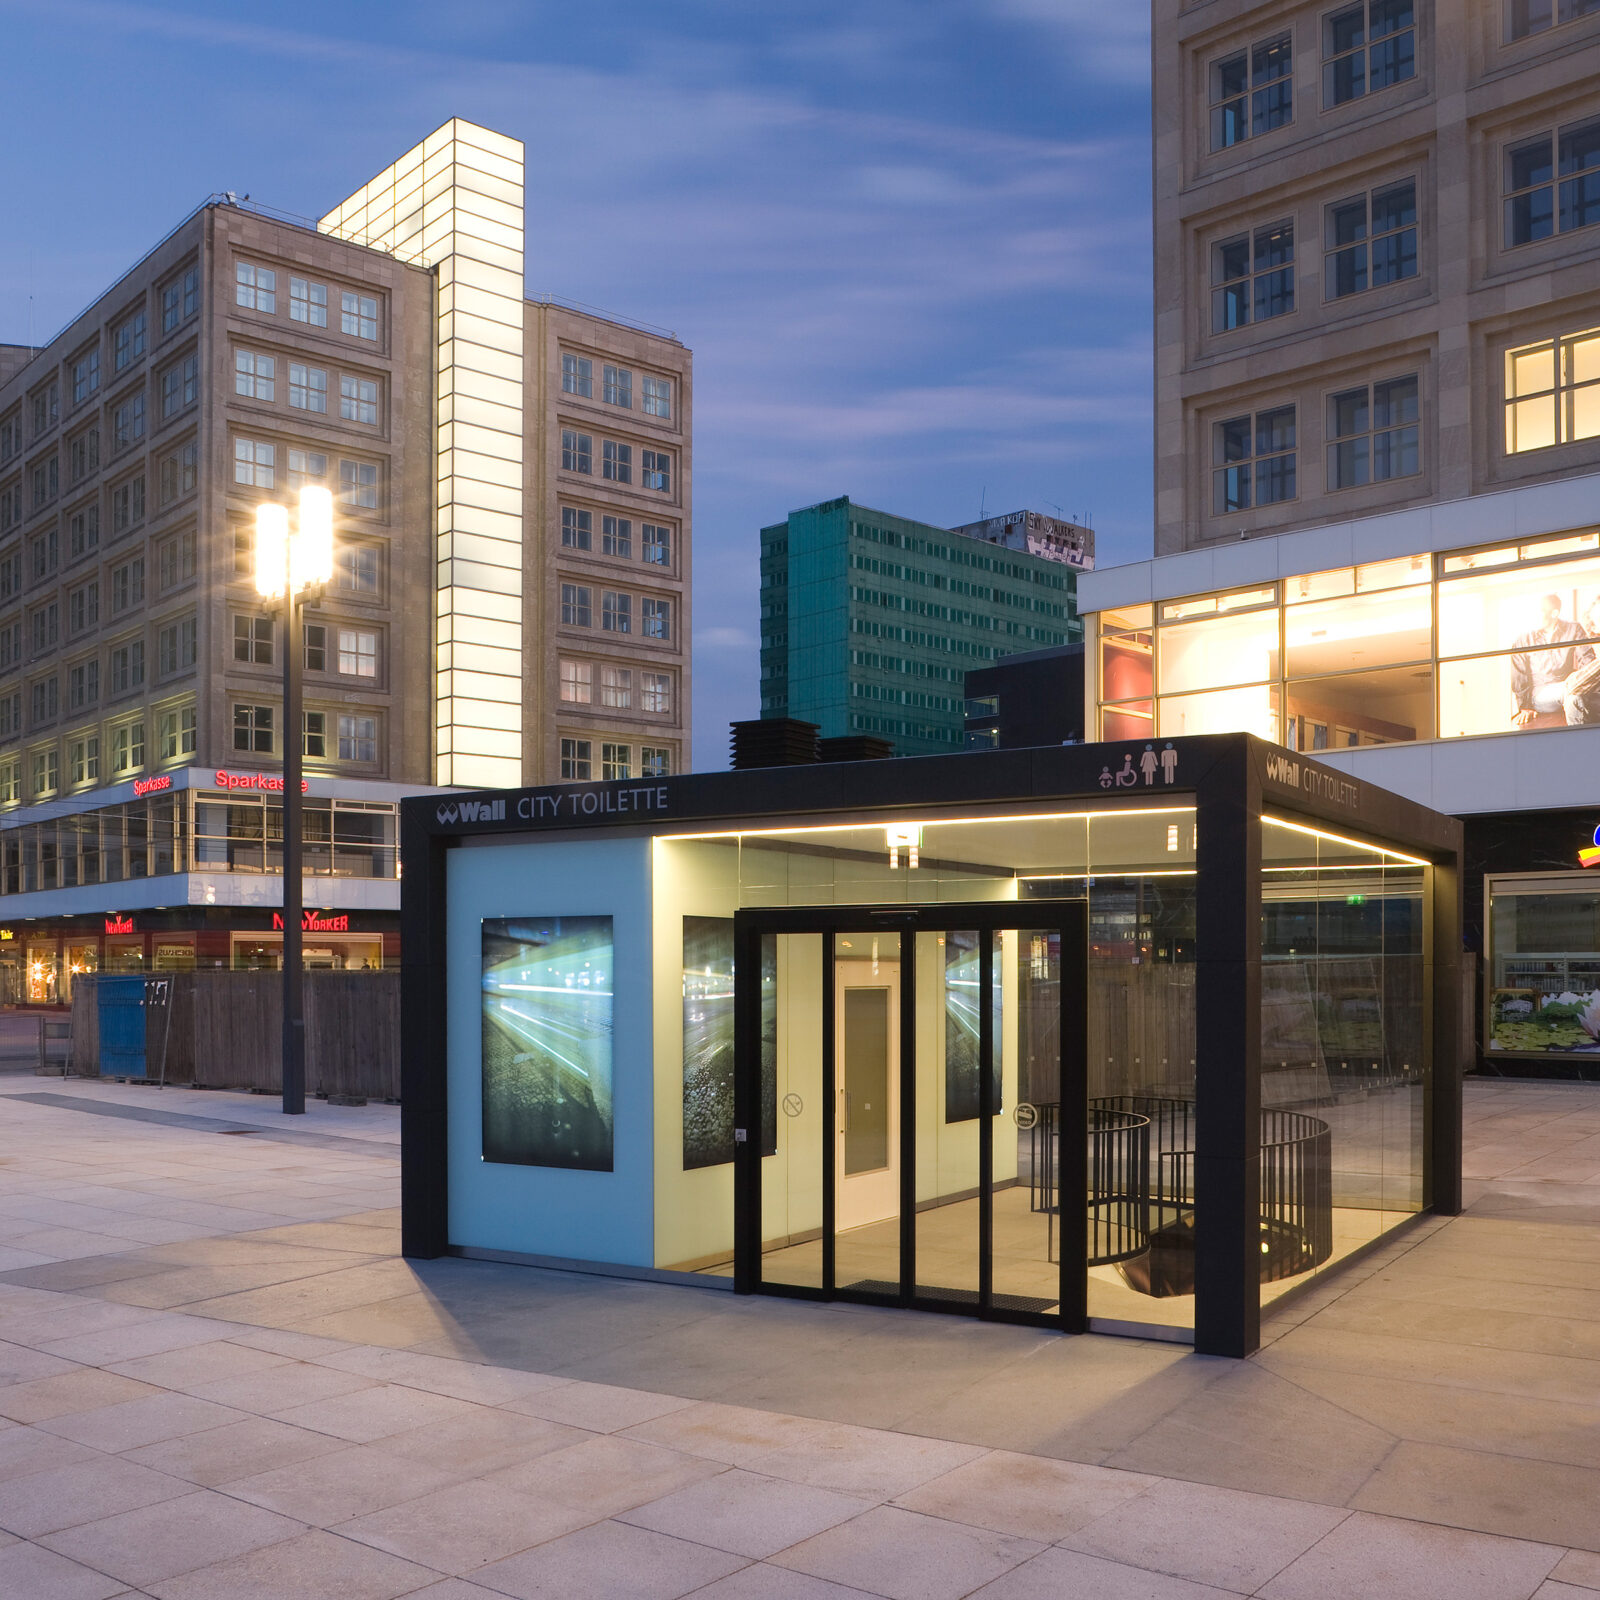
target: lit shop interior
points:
(965, 1078)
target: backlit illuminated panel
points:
(455, 204)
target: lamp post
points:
(291, 562)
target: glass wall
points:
(1419, 647)
(1344, 1059)
(1543, 989)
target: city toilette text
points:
(1327, 786)
(551, 807)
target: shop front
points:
(1112, 1036)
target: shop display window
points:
(1219, 651)
(43, 974)
(1360, 708)
(125, 954)
(1543, 978)
(83, 960)
(1252, 710)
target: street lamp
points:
(291, 563)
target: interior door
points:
(867, 1075)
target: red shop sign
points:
(310, 922)
(152, 785)
(263, 781)
(119, 924)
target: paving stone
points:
(316, 1566)
(346, 1483)
(746, 1513)
(30, 1572)
(76, 1389)
(197, 1365)
(237, 1450)
(864, 1461)
(146, 1420)
(606, 1473)
(375, 1412)
(62, 1497)
(609, 1561)
(1057, 1574)
(599, 1407)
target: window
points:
(1552, 183)
(656, 470)
(10, 780)
(11, 574)
(175, 647)
(85, 376)
(358, 569)
(1252, 277)
(127, 504)
(11, 714)
(358, 653)
(577, 682)
(655, 762)
(577, 376)
(616, 688)
(254, 376)
(46, 482)
(252, 640)
(358, 399)
(46, 408)
(658, 397)
(616, 612)
(46, 698)
(83, 455)
(84, 532)
(10, 435)
(617, 465)
(1527, 17)
(46, 628)
(314, 640)
(83, 685)
(616, 761)
(657, 544)
(358, 483)
(1553, 392)
(128, 341)
(1366, 48)
(618, 387)
(180, 471)
(254, 462)
(10, 506)
(655, 692)
(575, 605)
(314, 734)
(575, 760)
(577, 451)
(255, 288)
(86, 759)
(308, 303)
(180, 299)
(180, 386)
(10, 643)
(1374, 434)
(127, 747)
(1253, 461)
(1252, 92)
(655, 619)
(45, 553)
(308, 387)
(252, 729)
(127, 586)
(358, 738)
(127, 422)
(176, 733)
(358, 315)
(83, 607)
(127, 666)
(46, 771)
(616, 536)
(307, 466)
(577, 528)
(1371, 243)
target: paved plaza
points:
(219, 1381)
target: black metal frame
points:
(1230, 778)
(1069, 919)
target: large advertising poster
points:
(708, 1042)
(547, 1057)
(961, 1024)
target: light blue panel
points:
(549, 1211)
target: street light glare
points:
(313, 540)
(272, 549)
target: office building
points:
(870, 622)
(462, 428)
(1376, 252)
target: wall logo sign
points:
(1142, 767)
(143, 786)
(264, 782)
(310, 922)
(116, 923)
(1301, 776)
(471, 811)
(1589, 856)
(7, 935)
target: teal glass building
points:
(870, 622)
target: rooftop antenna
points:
(982, 499)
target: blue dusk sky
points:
(908, 241)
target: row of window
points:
(616, 386)
(125, 673)
(616, 461)
(324, 736)
(616, 761)
(124, 749)
(255, 377)
(257, 464)
(616, 536)
(616, 687)
(256, 289)
(357, 568)
(616, 611)
(351, 652)
(127, 591)
(1366, 48)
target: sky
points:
(908, 241)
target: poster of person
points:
(547, 1042)
(708, 1047)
